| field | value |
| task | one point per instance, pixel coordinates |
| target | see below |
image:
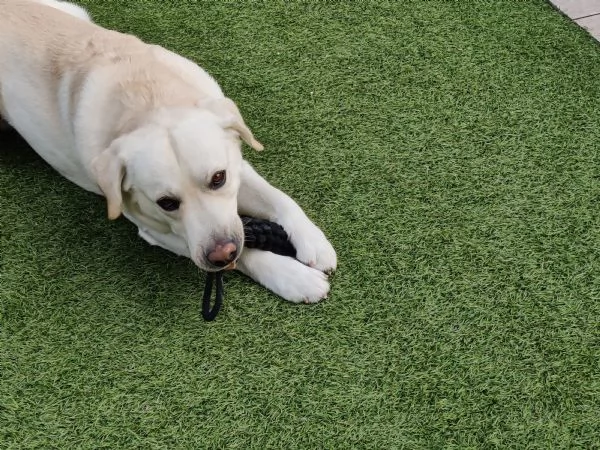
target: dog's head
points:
(178, 172)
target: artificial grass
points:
(450, 152)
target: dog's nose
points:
(223, 253)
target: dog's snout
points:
(223, 253)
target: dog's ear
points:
(109, 170)
(226, 109)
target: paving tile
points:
(592, 24)
(576, 9)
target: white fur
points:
(135, 122)
(285, 276)
(67, 7)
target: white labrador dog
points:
(154, 134)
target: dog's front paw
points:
(303, 284)
(285, 276)
(312, 247)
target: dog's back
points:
(29, 42)
(62, 78)
(38, 38)
(67, 7)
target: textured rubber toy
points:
(268, 236)
(260, 234)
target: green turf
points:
(450, 152)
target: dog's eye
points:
(169, 203)
(218, 179)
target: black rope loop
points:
(209, 313)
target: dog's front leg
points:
(258, 198)
(285, 276)
(295, 280)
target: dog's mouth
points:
(231, 266)
(214, 269)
